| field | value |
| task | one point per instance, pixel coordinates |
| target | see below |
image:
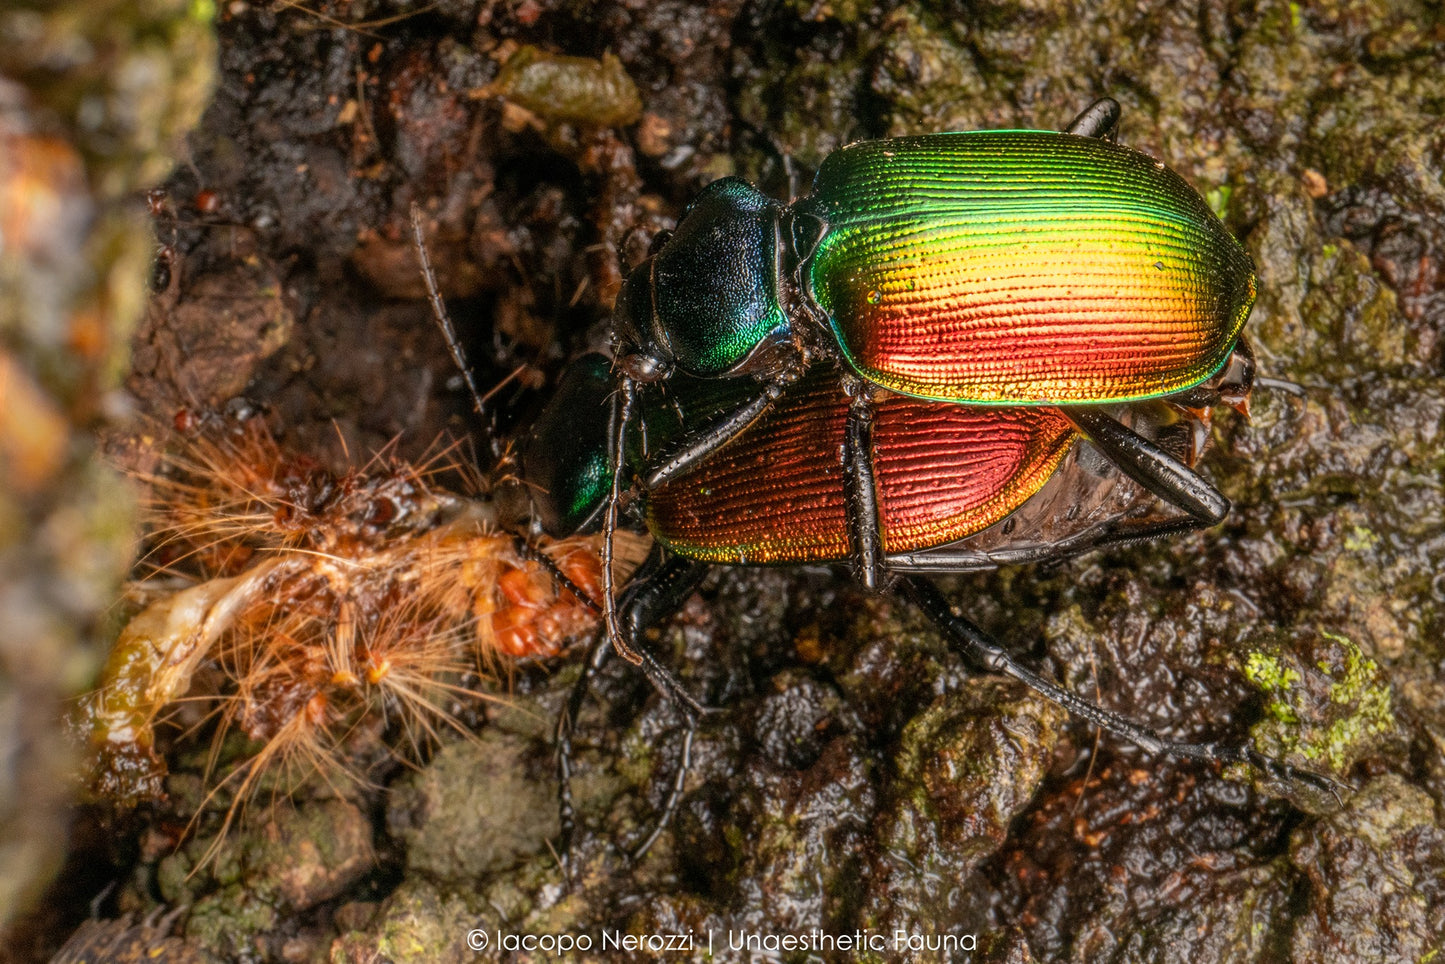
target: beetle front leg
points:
(657, 591)
(1149, 465)
(597, 656)
(1100, 119)
(860, 490)
(658, 594)
(617, 451)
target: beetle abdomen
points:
(776, 494)
(1023, 267)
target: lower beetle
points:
(957, 488)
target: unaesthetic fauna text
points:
(688, 942)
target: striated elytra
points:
(778, 493)
(1022, 267)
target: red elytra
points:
(777, 493)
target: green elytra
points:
(986, 267)
(1022, 267)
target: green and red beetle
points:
(984, 267)
(896, 364)
(1008, 268)
(961, 488)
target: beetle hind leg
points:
(1149, 465)
(860, 490)
(1100, 119)
(978, 647)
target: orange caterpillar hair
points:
(324, 599)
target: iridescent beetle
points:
(940, 294)
(1015, 268)
(960, 488)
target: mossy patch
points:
(1327, 706)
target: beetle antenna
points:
(1280, 385)
(623, 416)
(439, 311)
(781, 154)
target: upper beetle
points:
(1006, 268)
(987, 267)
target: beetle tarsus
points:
(1287, 774)
(1138, 533)
(597, 656)
(679, 783)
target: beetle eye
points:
(658, 240)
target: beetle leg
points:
(633, 617)
(656, 592)
(1100, 119)
(659, 596)
(956, 559)
(622, 416)
(679, 783)
(861, 494)
(597, 655)
(1149, 465)
(1128, 535)
(526, 550)
(978, 647)
(701, 443)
